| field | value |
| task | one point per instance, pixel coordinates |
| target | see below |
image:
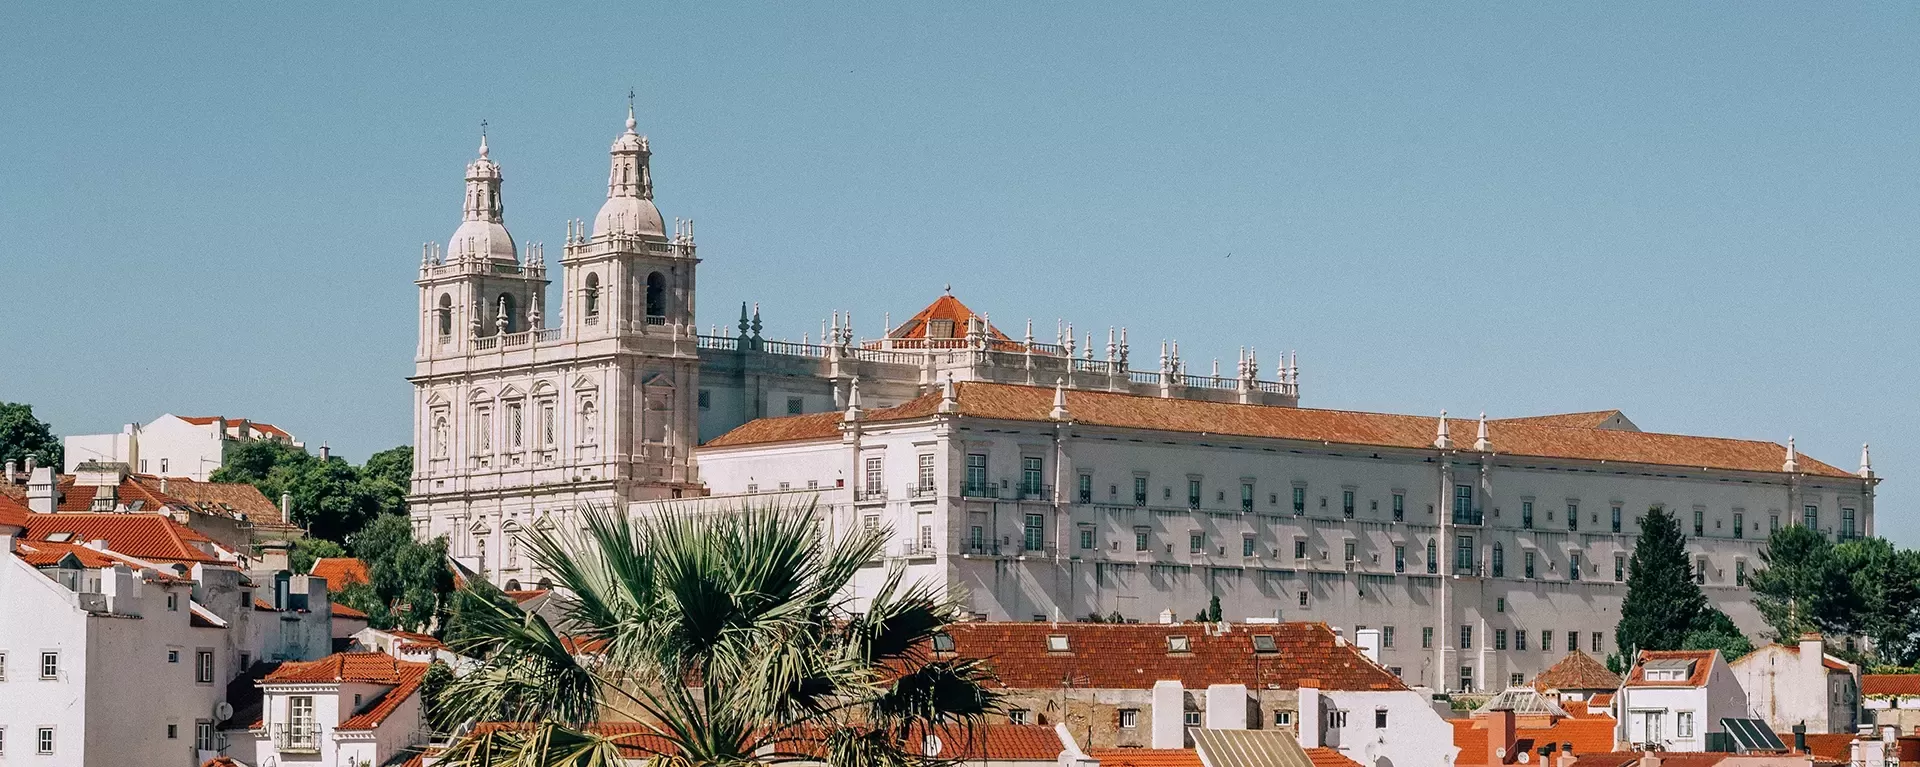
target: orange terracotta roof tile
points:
(220, 498)
(12, 513)
(1702, 667)
(340, 572)
(343, 611)
(1127, 411)
(1146, 757)
(944, 320)
(1892, 685)
(152, 537)
(48, 554)
(375, 711)
(1329, 757)
(365, 667)
(1577, 671)
(1825, 746)
(1134, 656)
(1591, 419)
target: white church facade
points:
(1053, 479)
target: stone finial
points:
(1866, 462)
(1792, 463)
(500, 319)
(949, 398)
(1059, 412)
(746, 325)
(1441, 438)
(1480, 441)
(756, 319)
(853, 401)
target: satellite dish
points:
(1526, 756)
(222, 711)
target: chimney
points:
(1368, 641)
(1813, 670)
(1309, 720)
(40, 493)
(13, 468)
(1567, 757)
(163, 484)
(1169, 714)
(1166, 617)
(274, 556)
(1648, 759)
(1226, 707)
(325, 452)
(286, 508)
(1500, 731)
(1800, 738)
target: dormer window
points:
(943, 642)
(1668, 670)
(940, 328)
(1264, 643)
(1179, 643)
(1057, 643)
(59, 537)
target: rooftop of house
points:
(1832, 663)
(1587, 734)
(12, 513)
(265, 429)
(152, 493)
(1672, 668)
(945, 318)
(1146, 757)
(151, 537)
(1009, 402)
(343, 611)
(1577, 671)
(983, 742)
(363, 667)
(340, 572)
(1890, 685)
(1134, 656)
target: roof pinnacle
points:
(1441, 438)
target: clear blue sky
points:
(1705, 216)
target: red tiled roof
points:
(1825, 746)
(1134, 656)
(1592, 419)
(265, 428)
(340, 572)
(1146, 757)
(915, 331)
(1896, 685)
(1329, 757)
(1601, 704)
(48, 554)
(77, 497)
(1127, 411)
(1587, 734)
(220, 498)
(375, 711)
(1667, 759)
(221, 761)
(12, 513)
(1022, 742)
(152, 537)
(343, 611)
(414, 642)
(366, 667)
(1577, 671)
(1702, 666)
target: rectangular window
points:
(1616, 517)
(1526, 515)
(1399, 558)
(1700, 570)
(1299, 548)
(173, 732)
(924, 475)
(516, 435)
(1466, 678)
(1246, 546)
(1699, 522)
(45, 744)
(796, 405)
(1399, 507)
(1031, 476)
(1847, 523)
(1573, 641)
(3, 667)
(1246, 496)
(977, 538)
(1528, 559)
(1380, 719)
(1282, 718)
(163, 466)
(1683, 724)
(486, 431)
(1573, 516)
(1463, 554)
(1346, 504)
(1426, 637)
(1516, 679)
(1598, 637)
(549, 435)
(1196, 542)
(1139, 491)
(1462, 503)
(1129, 718)
(1140, 539)
(876, 478)
(1519, 640)
(1191, 718)
(1810, 517)
(1086, 488)
(1193, 493)
(1433, 558)
(1466, 636)
(1573, 566)
(1303, 599)
(976, 473)
(1499, 561)
(1619, 568)
(1386, 636)
(1546, 640)
(1086, 538)
(1499, 639)
(49, 664)
(1299, 500)
(1739, 525)
(1017, 716)
(1036, 532)
(173, 656)
(1740, 573)
(203, 667)
(203, 736)
(706, 399)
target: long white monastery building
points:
(1053, 480)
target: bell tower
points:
(478, 287)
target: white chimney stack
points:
(1169, 714)
(1309, 721)
(1369, 642)
(1226, 707)
(12, 469)
(40, 493)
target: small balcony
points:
(1033, 493)
(869, 494)
(913, 550)
(296, 739)
(922, 492)
(656, 319)
(988, 490)
(1475, 517)
(981, 549)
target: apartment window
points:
(1499, 604)
(1086, 538)
(1196, 542)
(163, 466)
(1700, 570)
(1740, 573)
(1773, 523)
(173, 602)
(1030, 475)
(796, 405)
(516, 431)
(1246, 546)
(870, 522)
(1466, 678)
(1399, 558)
(1739, 525)
(1140, 539)
(1017, 715)
(1462, 501)
(1619, 568)
(1246, 496)
(1380, 719)
(1386, 636)
(1282, 718)
(977, 538)
(1300, 500)
(549, 435)
(1573, 641)
(1573, 516)
(875, 477)
(1546, 640)
(1191, 718)
(1527, 566)
(1303, 599)
(1139, 491)
(1683, 724)
(1352, 550)
(1846, 523)
(203, 736)
(203, 666)
(1336, 719)
(924, 475)
(976, 472)
(1426, 637)
(1399, 507)
(1036, 532)
(1615, 517)
(1433, 557)
(1299, 548)
(1699, 522)
(173, 732)
(1193, 493)
(173, 656)
(1516, 679)
(3, 667)
(1598, 637)
(1573, 566)
(1129, 718)
(45, 744)
(1086, 488)
(1466, 636)
(1519, 640)
(1810, 517)
(1499, 560)
(1463, 554)
(1526, 515)
(1346, 504)
(49, 664)
(1499, 639)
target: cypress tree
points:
(1663, 602)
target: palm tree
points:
(727, 635)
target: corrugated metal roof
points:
(1249, 748)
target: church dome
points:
(484, 239)
(629, 215)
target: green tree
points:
(1663, 602)
(1713, 630)
(1213, 608)
(332, 499)
(1884, 597)
(433, 687)
(362, 597)
(750, 604)
(1801, 587)
(305, 550)
(410, 578)
(394, 465)
(23, 435)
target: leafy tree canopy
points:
(1861, 587)
(23, 435)
(1663, 603)
(332, 499)
(306, 550)
(409, 578)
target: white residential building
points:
(1800, 684)
(1678, 700)
(171, 445)
(360, 708)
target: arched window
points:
(545, 583)
(506, 307)
(513, 584)
(443, 315)
(656, 295)
(593, 296)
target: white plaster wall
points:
(38, 614)
(1415, 736)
